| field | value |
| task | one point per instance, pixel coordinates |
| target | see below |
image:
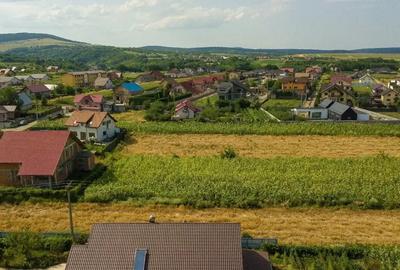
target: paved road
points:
(22, 128)
(377, 116)
(270, 115)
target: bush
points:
(228, 153)
(21, 194)
(31, 250)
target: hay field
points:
(295, 225)
(190, 145)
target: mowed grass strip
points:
(275, 129)
(295, 225)
(372, 182)
(259, 146)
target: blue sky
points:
(319, 24)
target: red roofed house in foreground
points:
(40, 158)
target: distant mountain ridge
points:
(28, 36)
(12, 41)
(238, 50)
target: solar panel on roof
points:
(140, 259)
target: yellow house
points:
(338, 93)
(82, 79)
(390, 97)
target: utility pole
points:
(71, 223)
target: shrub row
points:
(32, 250)
(21, 194)
(347, 257)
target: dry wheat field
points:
(294, 225)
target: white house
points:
(89, 125)
(185, 110)
(366, 80)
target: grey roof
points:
(39, 76)
(8, 108)
(4, 79)
(181, 246)
(87, 72)
(326, 103)
(225, 87)
(339, 108)
(100, 81)
(23, 77)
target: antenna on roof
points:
(152, 219)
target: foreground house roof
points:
(181, 246)
(38, 152)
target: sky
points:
(269, 24)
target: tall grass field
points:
(246, 182)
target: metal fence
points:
(250, 243)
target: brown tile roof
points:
(181, 246)
(38, 88)
(90, 118)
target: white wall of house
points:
(106, 131)
(184, 113)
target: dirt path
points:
(297, 225)
(264, 146)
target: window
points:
(104, 133)
(316, 115)
(75, 133)
(83, 136)
(92, 135)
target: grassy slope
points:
(6, 46)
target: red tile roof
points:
(38, 152)
(186, 104)
(94, 98)
(337, 78)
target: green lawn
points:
(211, 100)
(362, 90)
(280, 108)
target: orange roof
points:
(92, 119)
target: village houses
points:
(126, 90)
(232, 90)
(82, 78)
(338, 92)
